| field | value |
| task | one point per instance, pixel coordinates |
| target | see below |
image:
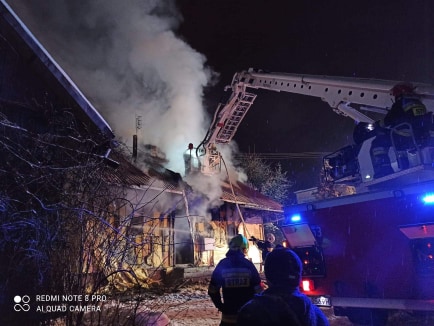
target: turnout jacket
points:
(238, 279)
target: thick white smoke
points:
(128, 61)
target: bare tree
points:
(270, 181)
(62, 230)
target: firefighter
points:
(407, 111)
(265, 246)
(282, 303)
(237, 278)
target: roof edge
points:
(63, 78)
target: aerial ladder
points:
(360, 99)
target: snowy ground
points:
(191, 306)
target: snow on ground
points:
(191, 306)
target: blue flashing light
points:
(296, 218)
(428, 199)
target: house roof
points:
(161, 179)
(248, 197)
(128, 174)
(26, 44)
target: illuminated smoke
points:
(127, 60)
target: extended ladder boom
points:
(346, 96)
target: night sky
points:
(372, 39)
(126, 59)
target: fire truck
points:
(369, 250)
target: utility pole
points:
(138, 127)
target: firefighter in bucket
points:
(407, 125)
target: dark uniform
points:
(282, 303)
(265, 246)
(406, 114)
(238, 279)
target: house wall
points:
(140, 232)
(182, 238)
(220, 227)
(148, 216)
(137, 244)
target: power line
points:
(283, 156)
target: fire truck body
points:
(368, 250)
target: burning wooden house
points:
(148, 221)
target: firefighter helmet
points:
(402, 89)
(283, 266)
(239, 242)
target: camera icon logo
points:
(21, 303)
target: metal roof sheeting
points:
(128, 174)
(246, 196)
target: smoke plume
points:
(126, 58)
